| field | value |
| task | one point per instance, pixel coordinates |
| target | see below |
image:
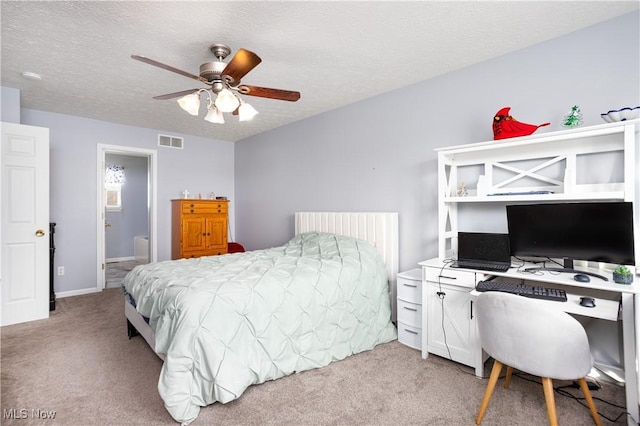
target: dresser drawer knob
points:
(191, 205)
(192, 210)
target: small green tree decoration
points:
(622, 275)
(574, 118)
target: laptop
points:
(483, 251)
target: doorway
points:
(113, 263)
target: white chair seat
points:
(530, 336)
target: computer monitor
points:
(598, 231)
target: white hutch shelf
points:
(598, 163)
(545, 168)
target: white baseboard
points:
(120, 259)
(80, 292)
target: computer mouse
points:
(582, 278)
(588, 302)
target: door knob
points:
(107, 225)
(39, 233)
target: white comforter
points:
(227, 322)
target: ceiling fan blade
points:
(175, 95)
(167, 67)
(265, 92)
(243, 62)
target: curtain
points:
(114, 174)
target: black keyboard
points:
(483, 266)
(535, 292)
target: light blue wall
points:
(10, 109)
(133, 219)
(204, 165)
(377, 155)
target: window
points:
(114, 197)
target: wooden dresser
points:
(198, 227)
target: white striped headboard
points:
(380, 229)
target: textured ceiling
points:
(334, 53)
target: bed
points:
(223, 323)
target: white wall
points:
(378, 154)
(373, 155)
(10, 110)
(204, 165)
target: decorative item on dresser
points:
(198, 228)
(410, 308)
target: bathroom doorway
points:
(126, 212)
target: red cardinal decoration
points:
(505, 126)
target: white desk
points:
(613, 302)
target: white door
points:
(24, 248)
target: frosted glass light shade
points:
(246, 112)
(226, 101)
(190, 103)
(214, 116)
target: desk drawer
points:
(410, 313)
(204, 208)
(409, 290)
(451, 276)
(410, 336)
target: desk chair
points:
(528, 335)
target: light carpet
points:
(80, 365)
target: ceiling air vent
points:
(170, 141)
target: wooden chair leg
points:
(587, 396)
(507, 378)
(547, 387)
(493, 379)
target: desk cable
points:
(537, 271)
(441, 295)
(561, 390)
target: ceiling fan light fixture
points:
(190, 103)
(246, 112)
(226, 101)
(214, 115)
(223, 81)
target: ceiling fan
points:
(223, 80)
